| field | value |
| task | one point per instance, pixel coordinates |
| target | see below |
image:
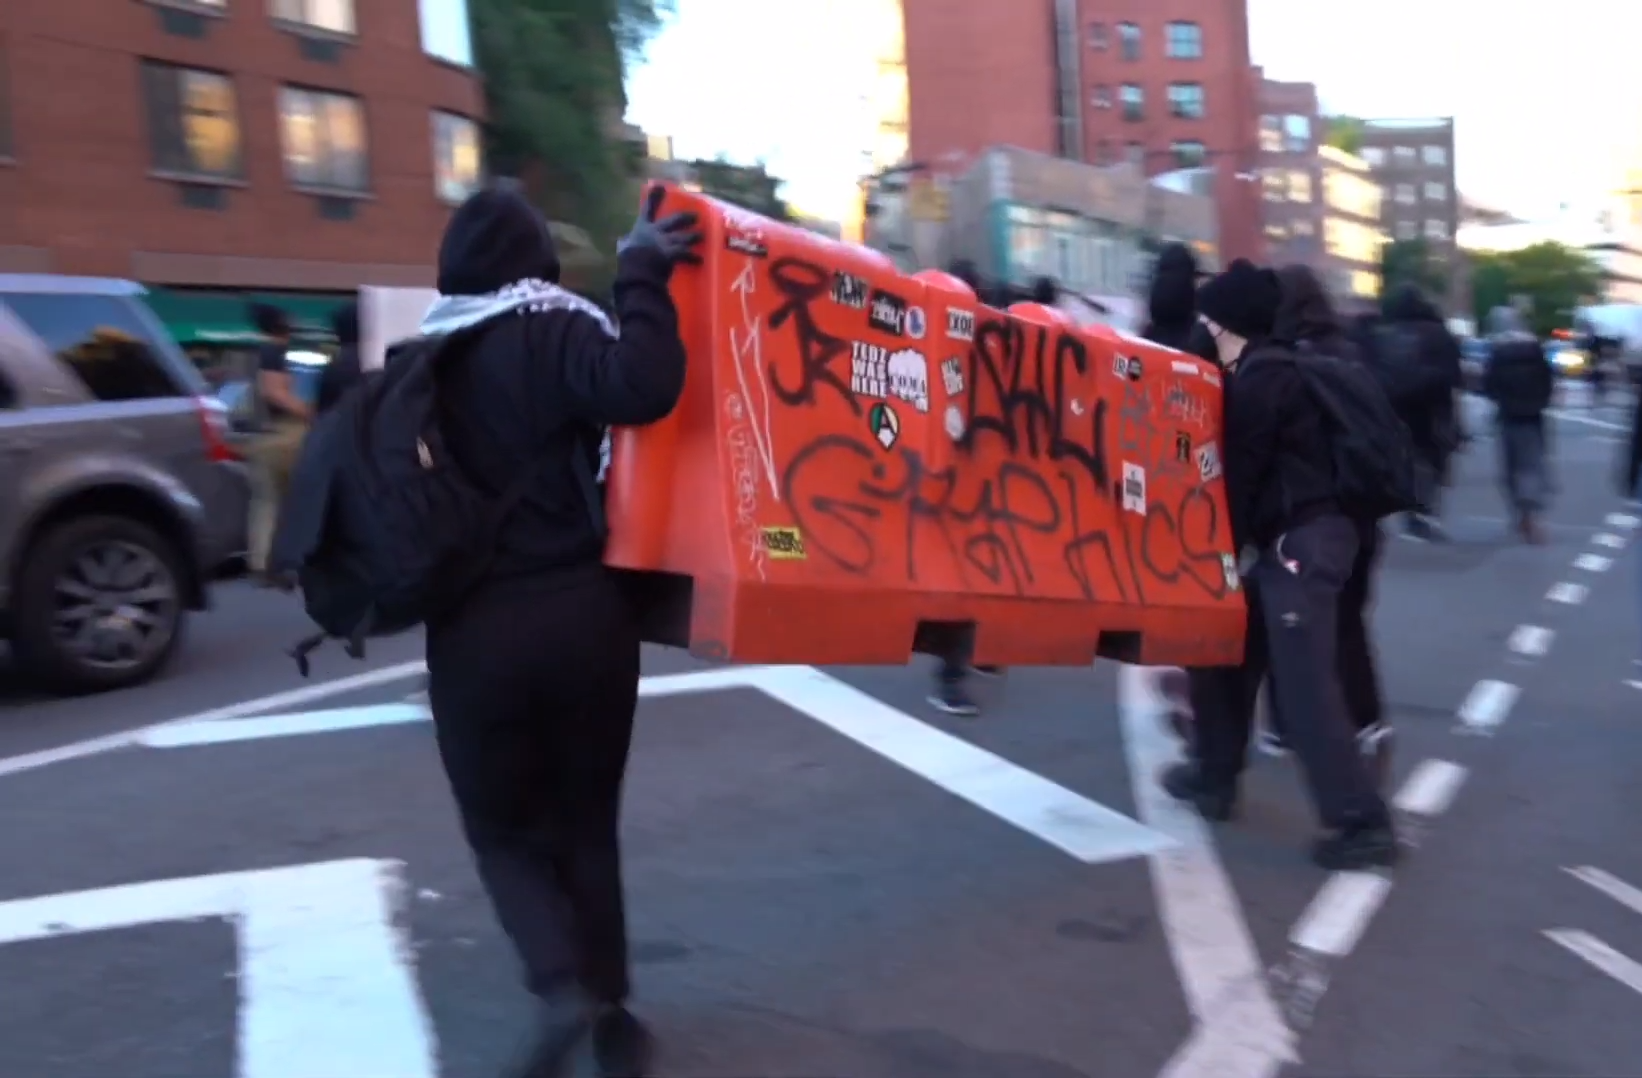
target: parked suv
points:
(119, 491)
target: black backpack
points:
(380, 525)
(1375, 465)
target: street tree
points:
(1550, 279)
(1405, 262)
(1343, 133)
(749, 186)
(553, 75)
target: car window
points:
(102, 339)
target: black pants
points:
(533, 685)
(1296, 596)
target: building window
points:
(1189, 153)
(1405, 230)
(456, 169)
(1277, 231)
(1297, 133)
(1184, 41)
(1097, 37)
(1405, 194)
(1134, 102)
(1435, 156)
(1186, 100)
(1102, 97)
(1135, 153)
(1403, 155)
(1128, 35)
(193, 122)
(1436, 230)
(1271, 134)
(323, 135)
(1275, 184)
(1302, 226)
(446, 34)
(1374, 156)
(1436, 192)
(1299, 185)
(335, 16)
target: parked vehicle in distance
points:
(119, 490)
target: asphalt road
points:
(827, 878)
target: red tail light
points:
(214, 426)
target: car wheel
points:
(99, 605)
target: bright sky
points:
(1548, 106)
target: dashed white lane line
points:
(1339, 915)
(1488, 705)
(1431, 788)
(1531, 641)
(1623, 521)
(1568, 594)
(1627, 971)
(1592, 563)
(1609, 540)
(1610, 885)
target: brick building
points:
(1162, 83)
(1414, 163)
(286, 145)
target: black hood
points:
(494, 239)
(1173, 300)
(1305, 313)
(1408, 304)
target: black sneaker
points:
(622, 1046)
(953, 699)
(1375, 743)
(1356, 848)
(1184, 782)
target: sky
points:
(1547, 109)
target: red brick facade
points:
(78, 195)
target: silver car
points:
(120, 492)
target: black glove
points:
(674, 236)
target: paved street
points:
(826, 878)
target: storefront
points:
(216, 330)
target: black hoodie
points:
(536, 386)
(1172, 305)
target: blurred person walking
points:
(1521, 382)
(280, 419)
(1420, 365)
(344, 371)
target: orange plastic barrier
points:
(863, 461)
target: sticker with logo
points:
(887, 313)
(885, 425)
(960, 325)
(875, 371)
(1181, 366)
(1208, 461)
(952, 376)
(1182, 447)
(745, 244)
(917, 323)
(784, 544)
(1127, 367)
(1134, 488)
(849, 291)
(954, 423)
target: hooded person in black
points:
(343, 372)
(1172, 304)
(1521, 383)
(1424, 365)
(1299, 548)
(533, 679)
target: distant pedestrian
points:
(1630, 481)
(344, 371)
(1171, 304)
(1421, 367)
(1521, 383)
(280, 420)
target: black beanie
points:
(1243, 299)
(494, 239)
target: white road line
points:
(1338, 916)
(1592, 563)
(1609, 540)
(1610, 885)
(1587, 421)
(1531, 640)
(30, 761)
(1085, 829)
(1431, 788)
(1623, 521)
(1621, 968)
(1488, 704)
(1571, 594)
(223, 731)
(1634, 684)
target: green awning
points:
(206, 317)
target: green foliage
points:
(749, 186)
(1404, 262)
(1554, 278)
(553, 73)
(1343, 133)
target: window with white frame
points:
(1436, 230)
(1405, 194)
(1134, 102)
(1128, 36)
(335, 16)
(457, 167)
(1435, 156)
(1186, 100)
(1183, 41)
(322, 135)
(446, 32)
(1436, 192)
(1374, 156)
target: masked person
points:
(1300, 549)
(533, 678)
(1521, 383)
(1171, 305)
(1422, 370)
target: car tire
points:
(51, 560)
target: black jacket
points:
(535, 389)
(1429, 411)
(1279, 470)
(1519, 379)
